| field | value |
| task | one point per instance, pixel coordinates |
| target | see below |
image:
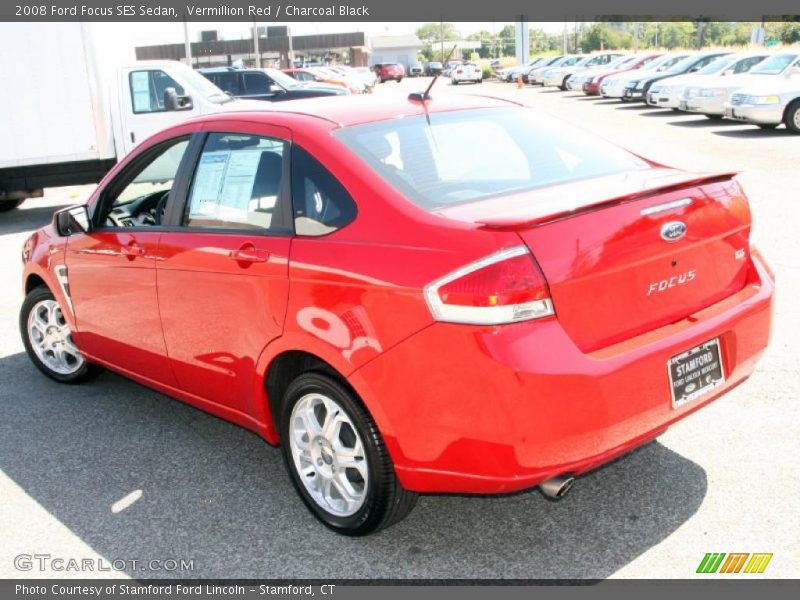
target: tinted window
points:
(463, 156)
(255, 83)
(147, 90)
(237, 184)
(321, 204)
(227, 82)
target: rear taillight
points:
(504, 287)
(459, 71)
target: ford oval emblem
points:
(673, 231)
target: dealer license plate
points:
(695, 372)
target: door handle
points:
(132, 250)
(249, 254)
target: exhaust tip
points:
(557, 487)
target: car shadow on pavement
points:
(704, 123)
(25, 219)
(216, 494)
(755, 132)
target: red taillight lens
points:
(459, 71)
(505, 287)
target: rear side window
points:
(321, 204)
(457, 157)
(227, 82)
(237, 184)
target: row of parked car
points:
(302, 82)
(756, 86)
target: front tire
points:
(337, 459)
(792, 117)
(48, 339)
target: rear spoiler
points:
(553, 212)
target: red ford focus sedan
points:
(456, 295)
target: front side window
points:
(147, 90)
(139, 198)
(457, 157)
(237, 184)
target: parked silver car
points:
(668, 93)
(710, 99)
(769, 103)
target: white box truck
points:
(74, 106)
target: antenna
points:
(426, 95)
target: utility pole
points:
(441, 37)
(291, 48)
(187, 43)
(255, 45)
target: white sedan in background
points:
(466, 72)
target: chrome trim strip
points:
(651, 210)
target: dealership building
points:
(275, 47)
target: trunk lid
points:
(628, 253)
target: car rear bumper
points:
(761, 115)
(493, 410)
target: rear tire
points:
(768, 126)
(323, 428)
(714, 117)
(792, 117)
(399, 79)
(6, 205)
(48, 340)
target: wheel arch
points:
(285, 364)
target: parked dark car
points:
(433, 68)
(387, 71)
(266, 84)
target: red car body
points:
(462, 408)
(389, 71)
(592, 87)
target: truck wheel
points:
(48, 339)
(792, 117)
(337, 459)
(6, 205)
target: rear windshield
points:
(464, 156)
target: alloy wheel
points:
(328, 454)
(51, 338)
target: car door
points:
(143, 107)
(111, 270)
(223, 278)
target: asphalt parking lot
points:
(725, 480)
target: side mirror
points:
(72, 220)
(172, 101)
